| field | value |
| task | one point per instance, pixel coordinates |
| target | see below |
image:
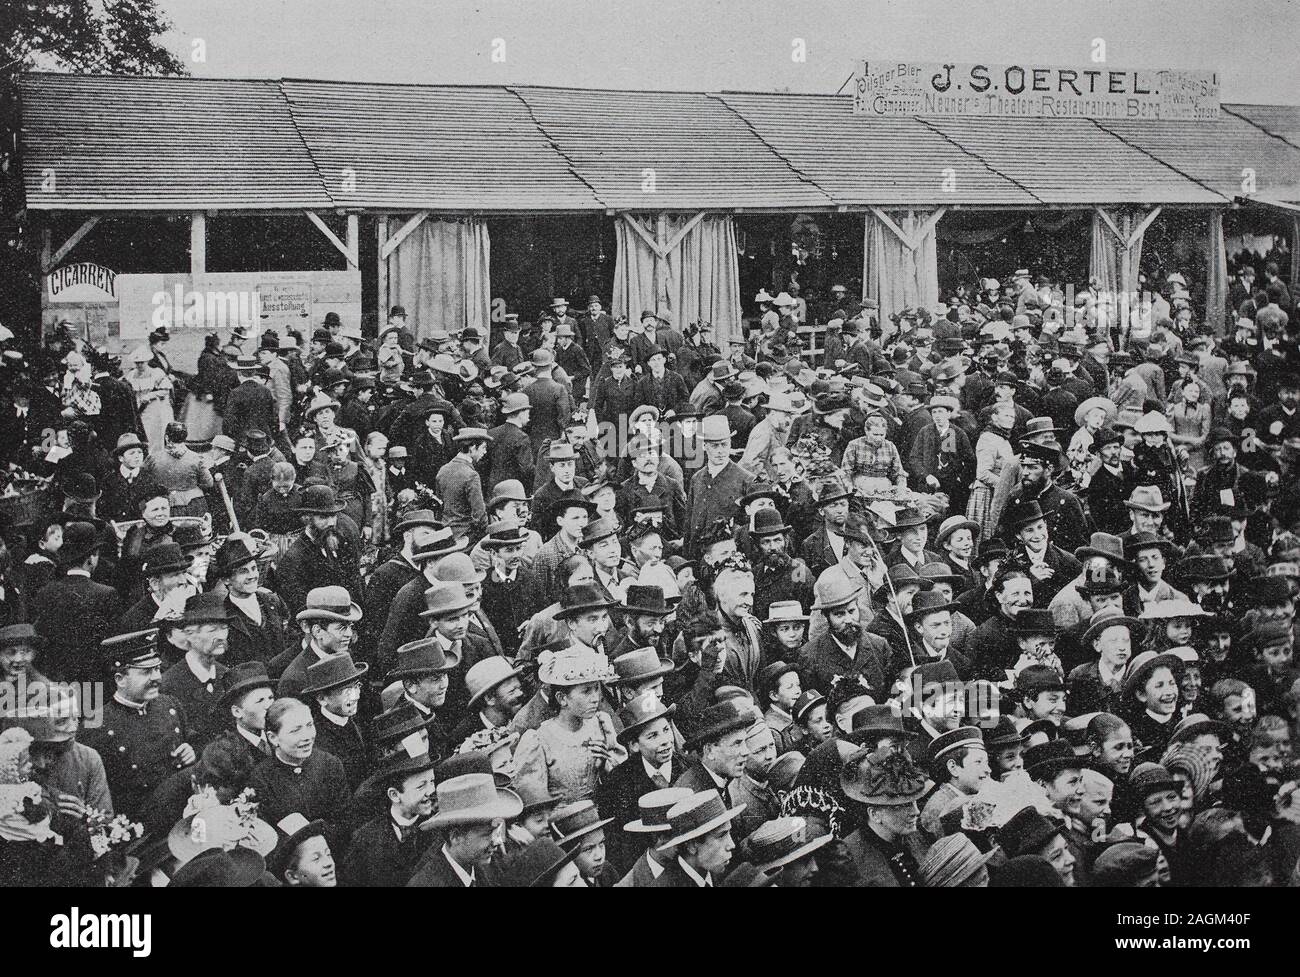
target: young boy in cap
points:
(386, 849)
(647, 832)
(779, 688)
(334, 692)
(700, 834)
(647, 734)
(959, 763)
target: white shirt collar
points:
(339, 721)
(465, 877)
(78, 572)
(206, 676)
(707, 880)
(666, 771)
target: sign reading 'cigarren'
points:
(1033, 91)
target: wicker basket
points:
(24, 508)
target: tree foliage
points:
(78, 37)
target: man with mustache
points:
(198, 680)
(322, 556)
(845, 648)
(141, 739)
(777, 576)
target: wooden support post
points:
(51, 261)
(381, 236)
(198, 243)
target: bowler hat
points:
(331, 672)
(597, 530)
(581, 598)
(1110, 617)
(717, 721)
(1151, 778)
(330, 604)
(1033, 620)
(834, 589)
(319, 500)
(929, 602)
(1027, 832)
(641, 665)
(80, 540)
(245, 677)
(163, 558)
(639, 712)
(1019, 514)
(444, 599)
(232, 554)
(1143, 666)
(423, 656)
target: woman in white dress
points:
(153, 397)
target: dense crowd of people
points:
(995, 592)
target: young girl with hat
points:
(569, 754)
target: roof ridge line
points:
(713, 96)
(1162, 162)
(1268, 132)
(293, 121)
(554, 144)
(982, 161)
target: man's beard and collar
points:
(847, 634)
(776, 561)
(327, 539)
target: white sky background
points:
(729, 44)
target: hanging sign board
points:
(974, 91)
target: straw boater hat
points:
(951, 861)
(781, 841)
(696, 817)
(572, 821)
(654, 807)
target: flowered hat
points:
(574, 666)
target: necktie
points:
(406, 830)
(263, 745)
(660, 780)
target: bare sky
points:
(729, 44)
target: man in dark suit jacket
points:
(251, 405)
(386, 850)
(701, 836)
(648, 735)
(199, 680)
(552, 407)
(828, 655)
(597, 328)
(510, 452)
(72, 612)
(469, 808)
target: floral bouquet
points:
(110, 833)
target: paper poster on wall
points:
(285, 305)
